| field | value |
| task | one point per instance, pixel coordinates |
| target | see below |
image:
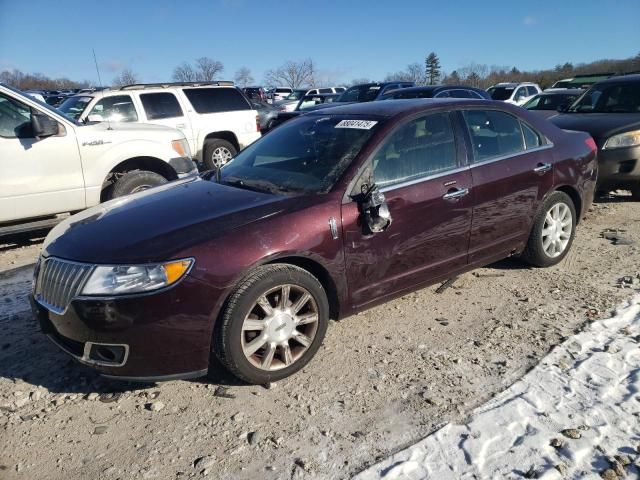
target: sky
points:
(346, 39)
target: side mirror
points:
(375, 210)
(43, 125)
(95, 117)
(563, 108)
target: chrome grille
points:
(59, 281)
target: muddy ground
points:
(383, 379)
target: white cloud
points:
(529, 21)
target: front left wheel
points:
(272, 324)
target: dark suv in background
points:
(610, 112)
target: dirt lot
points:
(383, 379)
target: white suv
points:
(51, 164)
(216, 117)
(515, 93)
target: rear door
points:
(422, 173)
(511, 171)
(163, 108)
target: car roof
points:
(631, 78)
(404, 106)
(561, 91)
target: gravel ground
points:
(383, 379)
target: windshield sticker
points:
(360, 124)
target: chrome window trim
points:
(425, 178)
(511, 155)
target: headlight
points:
(124, 279)
(181, 147)
(627, 139)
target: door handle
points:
(542, 168)
(180, 125)
(455, 194)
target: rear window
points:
(160, 105)
(213, 100)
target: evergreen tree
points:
(432, 69)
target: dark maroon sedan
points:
(334, 212)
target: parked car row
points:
(360, 197)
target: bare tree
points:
(208, 69)
(359, 81)
(243, 77)
(293, 74)
(126, 77)
(184, 73)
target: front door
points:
(38, 176)
(428, 191)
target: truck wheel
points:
(272, 324)
(553, 230)
(217, 153)
(635, 192)
(136, 181)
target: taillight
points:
(257, 123)
(591, 143)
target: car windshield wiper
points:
(255, 185)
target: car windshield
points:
(360, 93)
(549, 102)
(296, 95)
(609, 98)
(304, 156)
(500, 93)
(74, 106)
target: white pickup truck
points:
(51, 164)
(215, 117)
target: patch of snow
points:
(590, 384)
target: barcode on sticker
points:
(361, 124)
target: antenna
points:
(95, 60)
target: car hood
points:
(599, 125)
(157, 224)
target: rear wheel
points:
(635, 192)
(217, 153)
(136, 181)
(272, 325)
(553, 231)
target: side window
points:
(532, 90)
(325, 90)
(493, 134)
(445, 94)
(460, 94)
(15, 119)
(531, 137)
(118, 108)
(214, 100)
(160, 105)
(424, 146)
(520, 93)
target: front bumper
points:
(159, 336)
(618, 168)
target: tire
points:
(635, 193)
(218, 152)
(136, 181)
(535, 252)
(232, 344)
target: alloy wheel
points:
(220, 157)
(280, 327)
(557, 229)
